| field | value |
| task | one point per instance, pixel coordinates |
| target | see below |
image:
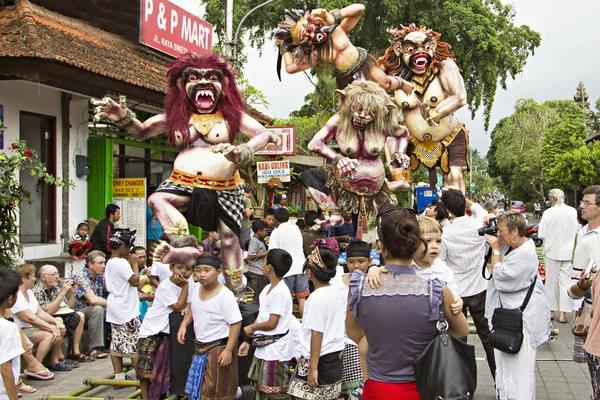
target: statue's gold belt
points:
(429, 152)
(206, 182)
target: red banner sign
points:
(172, 30)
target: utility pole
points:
(229, 28)
(237, 31)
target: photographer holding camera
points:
(464, 250)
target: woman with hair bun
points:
(380, 314)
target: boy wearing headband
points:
(270, 369)
(217, 321)
(318, 374)
(123, 304)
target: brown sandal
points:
(81, 357)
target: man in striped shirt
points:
(463, 250)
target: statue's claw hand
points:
(161, 251)
(236, 154)
(110, 109)
(430, 115)
(347, 166)
(400, 160)
(318, 15)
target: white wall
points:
(17, 96)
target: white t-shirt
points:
(324, 312)
(161, 271)
(157, 317)
(213, 317)
(123, 303)
(439, 270)
(10, 349)
(343, 291)
(289, 238)
(22, 304)
(278, 302)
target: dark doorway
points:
(38, 219)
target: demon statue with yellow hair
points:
(204, 113)
(437, 138)
(308, 38)
(365, 126)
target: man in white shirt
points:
(463, 250)
(558, 228)
(289, 238)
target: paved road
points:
(557, 376)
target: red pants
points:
(79, 250)
(390, 391)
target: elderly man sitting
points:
(53, 300)
(90, 300)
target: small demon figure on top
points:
(437, 138)
(320, 36)
(204, 113)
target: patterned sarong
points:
(154, 363)
(329, 378)
(352, 374)
(124, 338)
(269, 376)
(206, 380)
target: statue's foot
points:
(168, 254)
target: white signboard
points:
(286, 145)
(130, 195)
(273, 169)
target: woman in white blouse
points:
(514, 267)
(45, 332)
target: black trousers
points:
(476, 305)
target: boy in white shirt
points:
(123, 305)
(318, 373)
(270, 369)
(153, 344)
(11, 346)
(217, 321)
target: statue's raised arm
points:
(308, 38)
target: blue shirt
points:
(153, 228)
(86, 284)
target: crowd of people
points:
(320, 327)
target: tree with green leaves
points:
(515, 155)
(578, 167)
(489, 46)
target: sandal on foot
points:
(98, 354)
(24, 388)
(44, 375)
(81, 357)
(60, 366)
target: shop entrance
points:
(38, 219)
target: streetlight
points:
(237, 31)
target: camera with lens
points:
(491, 229)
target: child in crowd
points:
(427, 262)
(123, 305)
(269, 218)
(153, 364)
(270, 369)
(358, 256)
(79, 244)
(217, 321)
(11, 346)
(257, 252)
(318, 374)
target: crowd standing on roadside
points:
(320, 329)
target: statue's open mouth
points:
(204, 99)
(360, 123)
(420, 62)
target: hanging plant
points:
(19, 158)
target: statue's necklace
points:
(204, 123)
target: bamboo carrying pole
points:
(110, 382)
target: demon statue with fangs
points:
(437, 138)
(365, 125)
(204, 113)
(320, 36)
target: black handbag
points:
(446, 369)
(507, 326)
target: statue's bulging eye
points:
(192, 78)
